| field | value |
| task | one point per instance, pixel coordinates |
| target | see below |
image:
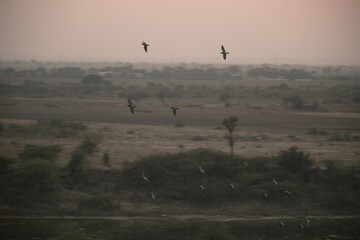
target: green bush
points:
(49, 152)
(92, 79)
(5, 165)
(39, 176)
(294, 160)
(100, 203)
(77, 166)
(52, 128)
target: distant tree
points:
(40, 71)
(92, 79)
(297, 74)
(78, 165)
(327, 70)
(37, 176)
(294, 102)
(230, 125)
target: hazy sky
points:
(253, 31)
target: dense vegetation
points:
(166, 229)
(175, 178)
(187, 72)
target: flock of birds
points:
(303, 222)
(132, 106)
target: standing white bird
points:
(144, 177)
(223, 52)
(202, 188)
(131, 105)
(145, 46)
(289, 194)
(307, 221)
(232, 185)
(301, 227)
(275, 183)
(282, 225)
(201, 170)
(153, 196)
(266, 197)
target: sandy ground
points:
(151, 130)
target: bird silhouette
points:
(223, 52)
(131, 106)
(174, 109)
(145, 46)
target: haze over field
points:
(253, 31)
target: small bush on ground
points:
(49, 152)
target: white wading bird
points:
(153, 196)
(275, 183)
(201, 170)
(144, 177)
(289, 194)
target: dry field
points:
(264, 127)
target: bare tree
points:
(230, 125)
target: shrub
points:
(39, 176)
(92, 79)
(100, 202)
(106, 160)
(49, 152)
(294, 160)
(77, 165)
(5, 164)
(89, 144)
(179, 124)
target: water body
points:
(171, 229)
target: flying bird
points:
(145, 46)
(131, 106)
(223, 52)
(174, 109)
(144, 177)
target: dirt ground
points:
(152, 129)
